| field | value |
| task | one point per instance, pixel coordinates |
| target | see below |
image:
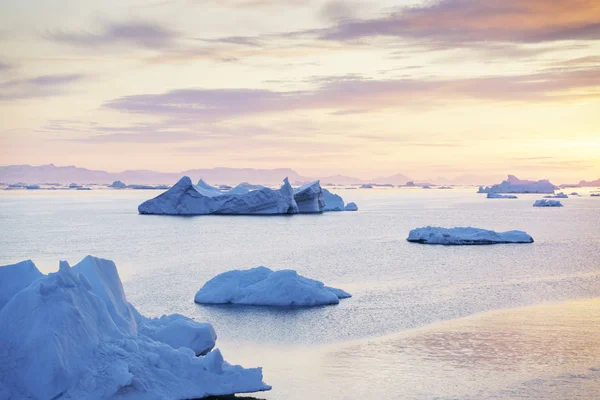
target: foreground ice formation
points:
(309, 198)
(492, 195)
(547, 203)
(265, 287)
(560, 195)
(186, 198)
(515, 185)
(465, 236)
(351, 207)
(72, 334)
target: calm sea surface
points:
(398, 288)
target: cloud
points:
(5, 66)
(40, 86)
(238, 40)
(338, 10)
(359, 94)
(452, 22)
(137, 34)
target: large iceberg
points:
(516, 185)
(547, 203)
(492, 195)
(265, 287)
(16, 277)
(309, 198)
(560, 195)
(72, 334)
(465, 236)
(333, 202)
(187, 199)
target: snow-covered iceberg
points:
(309, 198)
(16, 277)
(547, 203)
(351, 207)
(465, 236)
(184, 198)
(516, 185)
(72, 334)
(333, 202)
(265, 287)
(492, 195)
(560, 195)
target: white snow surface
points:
(262, 286)
(515, 185)
(351, 207)
(560, 195)
(72, 334)
(16, 277)
(465, 236)
(492, 195)
(547, 203)
(309, 198)
(187, 199)
(333, 202)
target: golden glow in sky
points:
(362, 88)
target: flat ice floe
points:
(465, 236)
(560, 195)
(72, 334)
(515, 185)
(186, 198)
(262, 286)
(547, 203)
(492, 195)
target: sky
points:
(361, 88)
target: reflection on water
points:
(542, 352)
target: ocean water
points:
(397, 287)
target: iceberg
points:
(515, 185)
(184, 198)
(117, 185)
(366, 186)
(465, 236)
(547, 203)
(492, 195)
(16, 277)
(560, 195)
(333, 202)
(309, 198)
(574, 194)
(351, 207)
(262, 286)
(595, 195)
(84, 340)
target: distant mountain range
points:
(70, 174)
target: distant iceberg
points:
(351, 207)
(492, 195)
(309, 198)
(117, 185)
(84, 340)
(560, 195)
(516, 185)
(574, 194)
(262, 286)
(184, 198)
(366, 186)
(465, 236)
(595, 195)
(547, 203)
